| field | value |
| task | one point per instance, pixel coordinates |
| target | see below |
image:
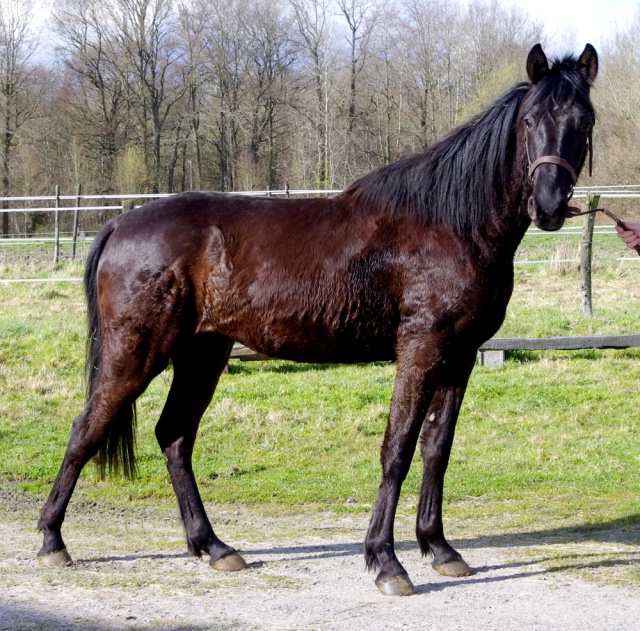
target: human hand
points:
(630, 236)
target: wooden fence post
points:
(586, 252)
(76, 217)
(56, 246)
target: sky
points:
(569, 24)
(588, 21)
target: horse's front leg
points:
(435, 447)
(411, 398)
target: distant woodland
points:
(168, 95)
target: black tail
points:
(118, 449)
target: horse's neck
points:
(500, 237)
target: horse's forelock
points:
(562, 84)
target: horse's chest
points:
(469, 303)
(483, 309)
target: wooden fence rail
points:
(492, 352)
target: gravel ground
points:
(306, 572)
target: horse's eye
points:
(527, 122)
(586, 123)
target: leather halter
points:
(561, 162)
(557, 160)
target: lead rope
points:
(573, 211)
(576, 212)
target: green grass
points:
(38, 266)
(551, 436)
(545, 463)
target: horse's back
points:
(315, 280)
(300, 279)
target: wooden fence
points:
(492, 352)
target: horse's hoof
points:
(231, 563)
(396, 585)
(55, 559)
(455, 568)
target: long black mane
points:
(457, 180)
(463, 177)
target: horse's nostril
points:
(532, 208)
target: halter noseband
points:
(561, 162)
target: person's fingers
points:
(629, 237)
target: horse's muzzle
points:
(544, 219)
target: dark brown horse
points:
(413, 263)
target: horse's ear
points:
(537, 64)
(588, 63)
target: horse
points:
(412, 262)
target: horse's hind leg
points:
(109, 408)
(197, 368)
(435, 446)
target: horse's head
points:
(555, 122)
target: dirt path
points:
(131, 572)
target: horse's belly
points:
(347, 335)
(324, 349)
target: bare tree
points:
(253, 93)
(313, 36)
(618, 100)
(194, 25)
(98, 99)
(361, 17)
(385, 80)
(148, 58)
(18, 99)
(435, 67)
(272, 56)
(498, 36)
(225, 69)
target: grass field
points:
(550, 438)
